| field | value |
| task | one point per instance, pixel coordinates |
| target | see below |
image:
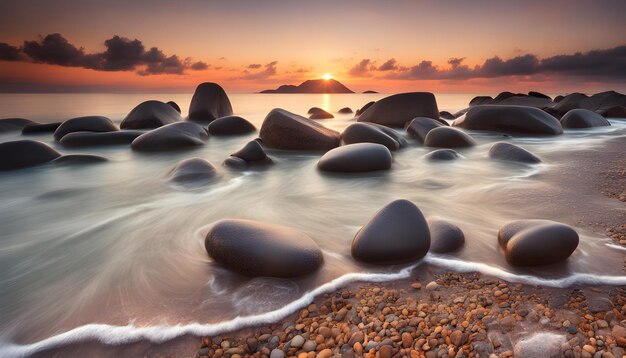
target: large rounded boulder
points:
(569, 102)
(583, 118)
(173, 136)
(419, 127)
(398, 233)
(92, 139)
(537, 242)
(512, 153)
(510, 119)
(85, 124)
(282, 129)
(448, 137)
(444, 236)
(13, 124)
(251, 154)
(209, 102)
(261, 249)
(36, 128)
(398, 109)
(359, 157)
(193, 170)
(370, 133)
(231, 125)
(442, 155)
(150, 115)
(25, 153)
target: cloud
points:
(390, 65)
(455, 62)
(362, 68)
(120, 54)
(268, 70)
(254, 66)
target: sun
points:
(327, 76)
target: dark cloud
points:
(601, 63)
(389, 65)
(54, 49)
(362, 68)
(199, 66)
(455, 61)
(255, 66)
(10, 53)
(268, 70)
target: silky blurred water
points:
(117, 243)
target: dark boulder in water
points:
(419, 127)
(252, 153)
(181, 135)
(569, 102)
(448, 137)
(261, 249)
(318, 113)
(510, 120)
(230, 125)
(25, 153)
(36, 128)
(513, 153)
(396, 110)
(397, 234)
(537, 242)
(370, 133)
(13, 124)
(79, 159)
(345, 110)
(91, 139)
(193, 170)
(364, 108)
(359, 157)
(538, 95)
(174, 105)
(442, 154)
(558, 98)
(150, 115)
(209, 102)
(85, 124)
(282, 129)
(615, 112)
(444, 236)
(481, 100)
(446, 115)
(583, 118)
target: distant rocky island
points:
(313, 86)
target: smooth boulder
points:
(442, 154)
(79, 159)
(209, 102)
(173, 136)
(397, 234)
(321, 114)
(282, 129)
(150, 115)
(231, 125)
(174, 105)
(193, 170)
(583, 118)
(261, 249)
(91, 139)
(444, 236)
(85, 124)
(345, 110)
(510, 120)
(364, 108)
(537, 242)
(512, 153)
(398, 109)
(25, 153)
(251, 153)
(36, 128)
(13, 124)
(419, 127)
(448, 137)
(358, 157)
(370, 133)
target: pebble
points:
(277, 353)
(297, 341)
(432, 285)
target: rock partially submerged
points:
(541, 345)
(359, 157)
(511, 152)
(85, 124)
(251, 154)
(396, 234)
(150, 115)
(365, 107)
(174, 105)
(90, 139)
(13, 124)
(448, 137)
(510, 119)
(419, 127)
(372, 133)
(193, 170)
(79, 159)
(209, 102)
(444, 236)
(537, 242)
(231, 125)
(25, 153)
(282, 129)
(442, 154)
(181, 135)
(345, 110)
(261, 249)
(318, 113)
(396, 110)
(583, 118)
(36, 128)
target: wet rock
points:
(173, 136)
(481, 100)
(419, 127)
(25, 153)
(538, 95)
(447, 137)
(79, 159)
(369, 133)
(285, 130)
(359, 157)
(318, 113)
(442, 154)
(89, 139)
(569, 102)
(230, 125)
(345, 110)
(444, 236)
(365, 107)
(174, 105)
(297, 341)
(36, 128)
(583, 118)
(13, 124)
(261, 249)
(446, 115)
(277, 353)
(615, 112)
(193, 170)
(209, 102)
(84, 124)
(251, 153)
(150, 115)
(540, 345)
(398, 233)
(510, 119)
(512, 152)
(396, 110)
(537, 242)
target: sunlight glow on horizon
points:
(327, 76)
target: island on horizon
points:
(321, 85)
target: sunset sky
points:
(248, 46)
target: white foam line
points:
(574, 278)
(118, 335)
(615, 246)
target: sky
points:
(246, 46)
